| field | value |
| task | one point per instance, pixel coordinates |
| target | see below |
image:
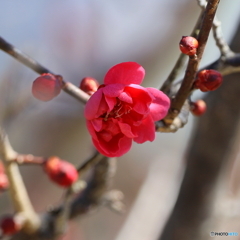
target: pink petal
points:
(95, 106)
(125, 97)
(125, 73)
(113, 90)
(145, 132)
(118, 146)
(97, 124)
(133, 118)
(111, 126)
(141, 98)
(111, 102)
(106, 136)
(126, 130)
(160, 105)
(91, 129)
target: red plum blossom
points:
(122, 111)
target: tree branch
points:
(181, 60)
(193, 63)
(18, 191)
(217, 33)
(68, 87)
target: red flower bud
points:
(3, 181)
(198, 108)
(188, 45)
(11, 224)
(3, 178)
(46, 87)
(61, 172)
(208, 80)
(89, 85)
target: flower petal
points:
(141, 98)
(91, 129)
(125, 97)
(125, 73)
(111, 102)
(113, 90)
(145, 132)
(95, 106)
(126, 130)
(118, 146)
(97, 124)
(160, 105)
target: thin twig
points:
(217, 33)
(68, 87)
(19, 195)
(181, 60)
(193, 63)
(97, 186)
(90, 162)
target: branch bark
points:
(193, 63)
(209, 149)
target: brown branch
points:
(181, 60)
(210, 148)
(97, 186)
(17, 188)
(217, 33)
(193, 63)
(68, 87)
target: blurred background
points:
(79, 38)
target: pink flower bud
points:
(208, 80)
(89, 85)
(3, 178)
(61, 172)
(11, 224)
(3, 181)
(46, 87)
(188, 45)
(198, 108)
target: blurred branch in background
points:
(209, 150)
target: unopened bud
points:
(11, 224)
(208, 80)
(46, 87)
(188, 45)
(61, 172)
(198, 108)
(3, 178)
(3, 181)
(89, 85)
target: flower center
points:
(118, 111)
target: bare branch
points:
(181, 60)
(35, 66)
(18, 191)
(217, 33)
(193, 63)
(97, 186)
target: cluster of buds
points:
(61, 172)
(3, 178)
(46, 87)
